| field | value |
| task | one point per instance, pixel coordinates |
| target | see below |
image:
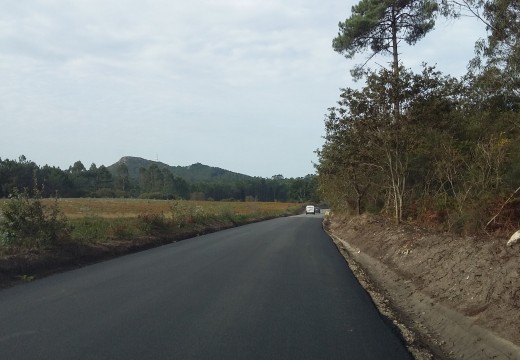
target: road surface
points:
(278, 289)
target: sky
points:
(242, 85)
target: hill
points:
(193, 173)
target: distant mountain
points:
(192, 173)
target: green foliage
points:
(153, 224)
(368, 152)
(425, 146)
(96, 229)
(16, 174)
(153, 195)
(90, 229)
(122, 180)
(448, 145)
(103, 193)
(154, 182)
(498, 56)
(26, 222)
(381, 25)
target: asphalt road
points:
(272, 290)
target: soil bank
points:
(453, 297)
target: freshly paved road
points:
(272, 290)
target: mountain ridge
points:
(193, 173)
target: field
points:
(131, 208)
(95, 229)
(102, 221)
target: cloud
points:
(240, 84)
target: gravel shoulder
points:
(453, 298)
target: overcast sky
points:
(239, 84)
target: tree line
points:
(425, 145)
(152, 183)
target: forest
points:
(425, 146)
(151, 183)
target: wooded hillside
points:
(136, 177)
(426, 146)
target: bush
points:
(152, 196)
(26, 222)
(153, 224)
(103, 193)
(182, 213)
(91, 229)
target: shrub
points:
(103, 193)
(152, 196)
(152, 224)
(90, 229)
(182, 213)
(26, 222)
(122, 228)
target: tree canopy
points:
(380, 26)
(447, 156)
(151, 182)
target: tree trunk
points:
(393, 153)
(395, 66)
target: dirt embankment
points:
(460, 296)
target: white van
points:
(309, 209)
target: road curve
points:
(278, 289)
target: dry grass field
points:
(90, 220)
(128, 208)
(96, 229)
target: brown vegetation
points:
(104, 228)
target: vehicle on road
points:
(309, 209)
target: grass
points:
(124, 208)
(98, 221)
(105, 228)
